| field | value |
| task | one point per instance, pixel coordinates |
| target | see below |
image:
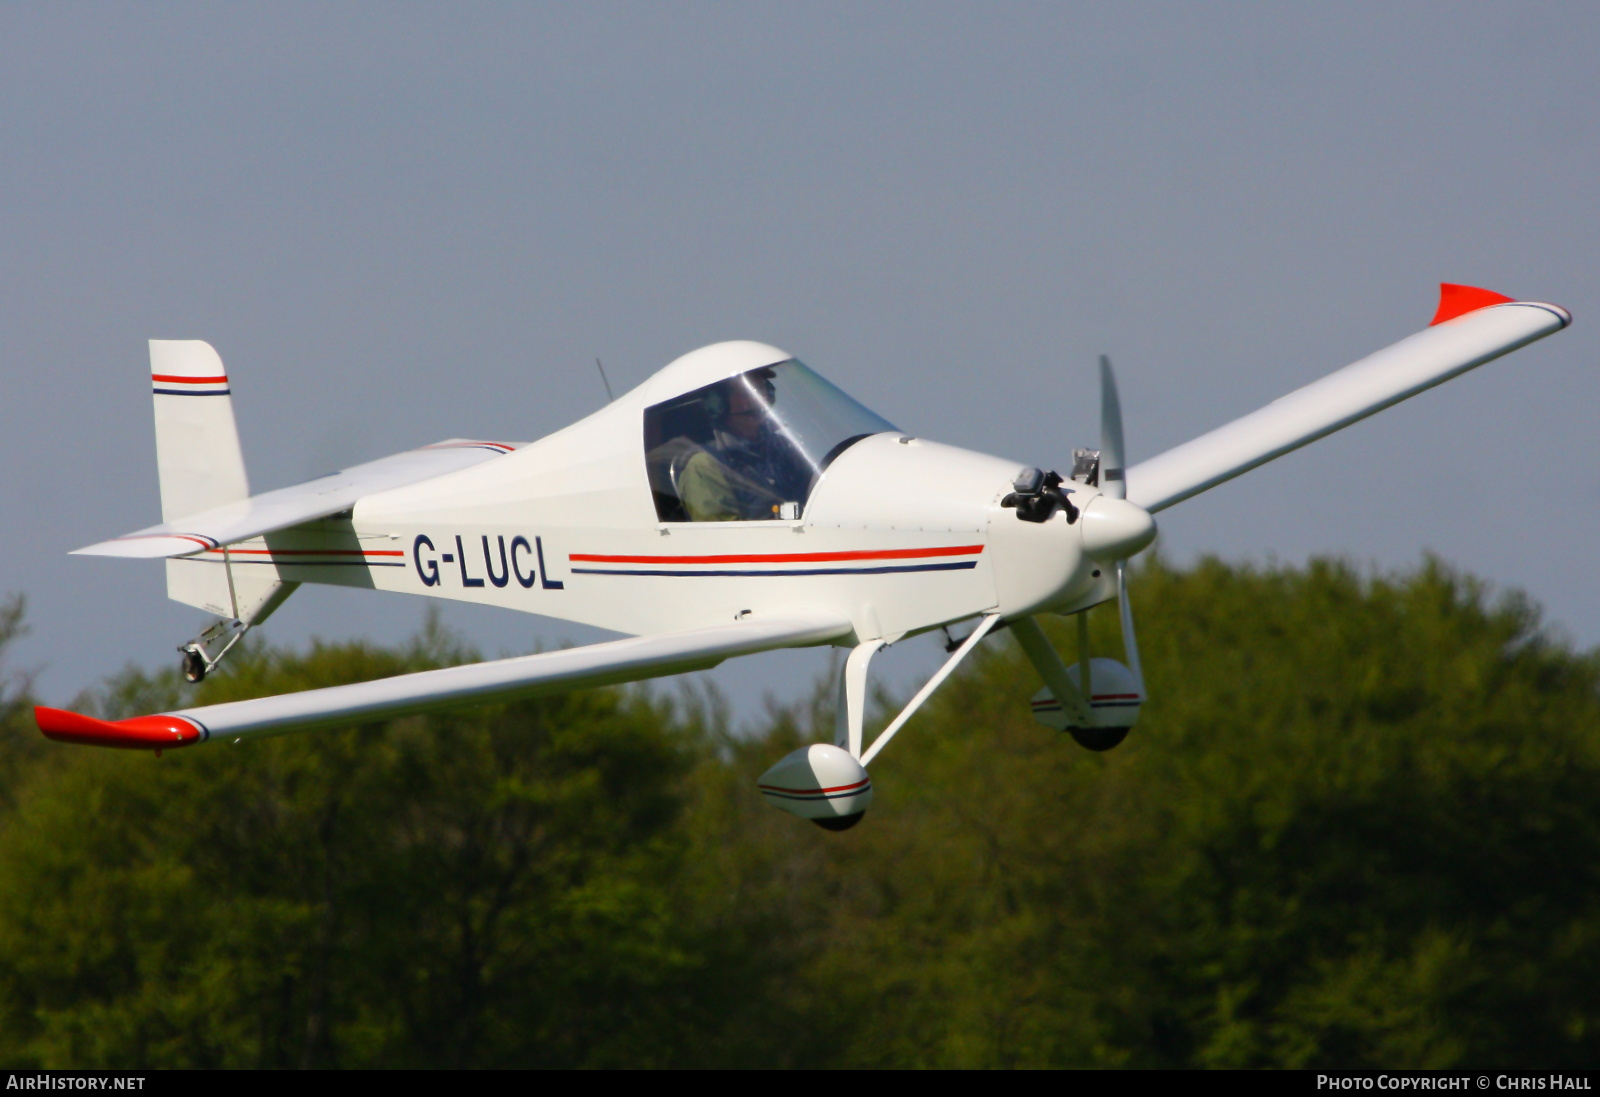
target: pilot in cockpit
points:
(751, 447)
(749, 469)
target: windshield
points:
(751, 447)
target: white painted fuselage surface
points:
(898, 535)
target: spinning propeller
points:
(1097, 700)
(1113, 482)
(1114, 486)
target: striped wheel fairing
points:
(837, 792)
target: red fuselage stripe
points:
(782, 557)
(169, 378)
(311, 552)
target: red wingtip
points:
(140, 733)
(1457, 300)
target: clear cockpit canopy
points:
(750, 447)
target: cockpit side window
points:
(751, 447)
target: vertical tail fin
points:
(201, 466)
(197, 444)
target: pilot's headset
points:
(717, 400)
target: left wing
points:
(617, 661)
(1472, 326)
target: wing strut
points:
(933, 683)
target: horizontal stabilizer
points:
(306, 502)
(1482, 332)
(629, 660)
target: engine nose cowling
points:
(1115, 529)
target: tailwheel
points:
(205, 652)
(840, 822)
(194, 665)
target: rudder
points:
(197, 443)
(201, 466)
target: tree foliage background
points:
(1358, 824)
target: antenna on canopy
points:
(605, 380)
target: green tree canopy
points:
(1357, 825)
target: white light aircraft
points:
(735, 502)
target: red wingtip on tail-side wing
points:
(1457, 300)
(140, 733)
(611, 663)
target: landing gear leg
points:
(852, 706)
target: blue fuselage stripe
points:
(963, 565)
(319, 563)
(189, 392)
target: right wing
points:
(617, 661)
(1453, 344)
(275, 510)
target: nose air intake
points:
(1115, 529)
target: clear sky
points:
(399, 223)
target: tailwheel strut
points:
(202, 654)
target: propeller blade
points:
(1130, 646)
(1112, 482)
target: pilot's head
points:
(745, 400)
